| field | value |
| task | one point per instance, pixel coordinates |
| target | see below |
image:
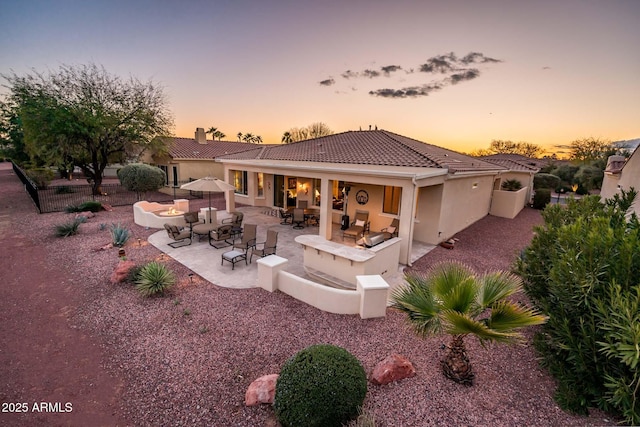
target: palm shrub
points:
(119, 235)
(450, 298)
(154, 278)
(582, 269)
(511, 185)
(321, 385)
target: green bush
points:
(511, 185)
(322, 385)
(541, 198)
(582, 269)
(41, 176)
(141, 178)
(68, 228)
(119, 235)
(154, 278)
(545, 180)
(90, 205)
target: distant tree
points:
(286, 138)
(251, 138)
(588, 150)
(239, 136)
(215, 133)
(314, 130)
(11, 135)
(141, 178)
(499, 146)
(87, 116)
(589, 177)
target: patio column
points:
(230, 199)
(326, 206)
(407, 212)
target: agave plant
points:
(451, 299)
(68, 228)
(154, 278)
(119, 235)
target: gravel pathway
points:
(187, 358)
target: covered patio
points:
(205, 260)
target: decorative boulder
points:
(86, 214)
(393, 368)
(261, 390)
(122, 271)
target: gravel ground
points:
(188, 358)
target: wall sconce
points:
(304, 188)
(475, 185)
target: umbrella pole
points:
(209, 207)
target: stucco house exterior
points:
(434, 192)
(622, 174)
(193, 158)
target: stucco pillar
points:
(268, 269)
(326, 206)
(407, 206)
(373, 291)
(230, 201)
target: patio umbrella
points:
(210, 185)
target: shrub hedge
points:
(582, 269)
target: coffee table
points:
(233, 257)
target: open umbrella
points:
(210, 185)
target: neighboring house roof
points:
(189, 148)
(378, 147)
(516, 162)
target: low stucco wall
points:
(369, 299)
(144, 213)
(508, 204)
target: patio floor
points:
(205, 260)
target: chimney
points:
(201, 137)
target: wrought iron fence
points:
(58, 197)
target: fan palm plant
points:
(451, 299)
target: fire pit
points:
(170, 212)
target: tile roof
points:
(189, 148)
(516, 162)
(377, 147)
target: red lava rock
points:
(393, 368)
(107, 207)
(122, 271)
(261, 390)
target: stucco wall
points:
(464, 201)
(428, 215)
(629, 177)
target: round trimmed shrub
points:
(541, 198)
(322, 385)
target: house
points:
(434, 192)
(193, 158)
(622, 174)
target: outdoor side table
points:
(233, 257)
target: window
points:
(240, 181)
(260, 181)
(165, 169)
(338, 195)
(391, 203)
(316, 192)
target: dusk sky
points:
(452, 73)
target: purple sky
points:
(453, 73)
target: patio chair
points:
(235, 221)
(391, 230)
(248, 239)
(268, 246)
(219, 236)
(358, 227)
(179, 236)
(284, 216)
(298, 218)
(191, 218)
